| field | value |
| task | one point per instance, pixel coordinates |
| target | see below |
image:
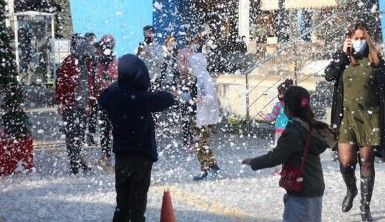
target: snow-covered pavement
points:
(239, 194)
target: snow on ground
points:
(238, 194)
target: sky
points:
(124, 19)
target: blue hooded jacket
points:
(129, 104)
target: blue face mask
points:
(359, 46)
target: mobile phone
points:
(348, 36)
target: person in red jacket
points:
(73, 91)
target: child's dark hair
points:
(283, 86)
(297, 104)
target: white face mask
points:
(359, 46)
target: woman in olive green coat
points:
(358, 112)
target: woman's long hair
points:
(297, 104)
(374, 54)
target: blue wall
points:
(167, 19)
(124, 19)
(382, 18)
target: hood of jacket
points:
(133, 73)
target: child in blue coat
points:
(278, 114)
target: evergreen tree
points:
(14, 120)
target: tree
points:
(14, 120)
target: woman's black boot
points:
(367, 184)
(351, 193)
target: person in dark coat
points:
(129, 105)
(358, 112)
(302, 131)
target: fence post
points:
(247, 95)
(295, 66)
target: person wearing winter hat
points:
(129, 105)
(106, 71)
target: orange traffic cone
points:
(167, 213)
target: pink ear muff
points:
(304, 102)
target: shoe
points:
(367, 184)
(105, 163)
(347, 203)
(350, 182)
(201, 176)
(74, 167)
(90, 141)
(365, 214)
(86, 166)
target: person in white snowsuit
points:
(207, 114)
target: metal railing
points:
(283, 77)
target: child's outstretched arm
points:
(159, 101)
(289, 143)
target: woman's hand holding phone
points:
(347, 45)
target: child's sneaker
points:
(105, 163)
(90, 141)
(201, 176)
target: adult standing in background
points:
(358, 112)
(151, 52)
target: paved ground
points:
(238, 194)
